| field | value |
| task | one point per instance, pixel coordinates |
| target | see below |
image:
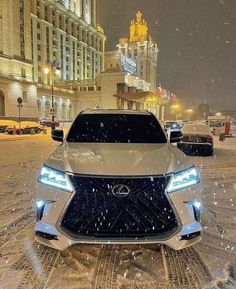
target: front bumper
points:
(54, 202)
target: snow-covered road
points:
(24, 264)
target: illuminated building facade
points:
(140, 47)
(33, 32)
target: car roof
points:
(196, 128)
(116, 111)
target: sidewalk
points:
(8, 137)
(228, 143)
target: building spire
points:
(139, 17)
(138, 29)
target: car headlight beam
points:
(54, 178)
(184, 179)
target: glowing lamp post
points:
(175, 108)
(189, 112)
(52, 69)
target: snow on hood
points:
(118, 159)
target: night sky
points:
(197, 43)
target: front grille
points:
(96, 211)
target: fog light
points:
(39, 209)
(197, 209)
(40, 204)
(197, 205)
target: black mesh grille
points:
(96, 211)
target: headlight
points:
(54, 178)
(184, 179)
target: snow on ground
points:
(25, 264)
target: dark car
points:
(48, 123)
(5, 123)
(3, 128)
(25, 130)
(172, 126)
(197, 140)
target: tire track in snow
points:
(12, 229)
(106, 273)
(218, 246)
(35, 266)
(185, 268)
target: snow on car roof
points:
(115, 111)
(196, 128)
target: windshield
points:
(116, 128)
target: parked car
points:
(5, 123)
(197, 139)
(48, 122)
(172, 126)
(117, 179)
(26, 127)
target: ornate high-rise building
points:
(142, 49)
(36, 32)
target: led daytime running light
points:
(54, 178)
(184, 179)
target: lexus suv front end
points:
(115, 179)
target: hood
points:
(118, 159)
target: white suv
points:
(116, 179)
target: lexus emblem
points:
(120, 190)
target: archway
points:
(70, 111)
(47, 108)
(39, 104)
(2, 104)
(56, 107)
(63, 111)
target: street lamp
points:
(189, 112)
(52, 69)
(175, 109)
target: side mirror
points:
(176, 136)
(57, 135)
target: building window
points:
(60, 21)
(63, 111)
(23, 72)
(39, 104)
(70, 111)
(22, 29)
(48, 42)
(24, 96)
